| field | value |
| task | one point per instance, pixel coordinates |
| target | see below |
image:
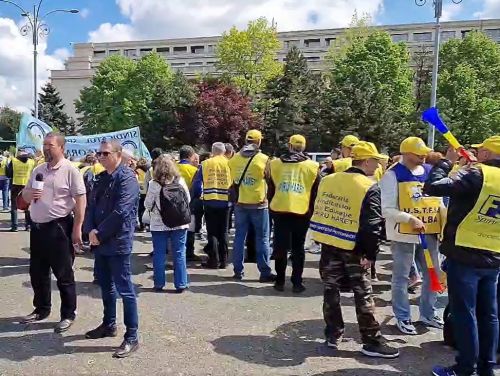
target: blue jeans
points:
(176, 239)
(259, 218)
(473, 301)
(403, 255)
(113, 274)
(4, 186)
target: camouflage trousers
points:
(334, 265)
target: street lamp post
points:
(438, 13)
(37, 27)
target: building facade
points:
(194, 56)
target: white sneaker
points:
(435, 322)
(406, 327)
(314, 248)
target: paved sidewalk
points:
(219, 327)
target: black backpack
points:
(174, 205)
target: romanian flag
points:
(433, 275)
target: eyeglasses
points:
(106, 154)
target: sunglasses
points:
(101, 154)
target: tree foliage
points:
(247, 57)
(371, 91)
(9, 123)
(51, 111)
(469, 89)
(221, 113)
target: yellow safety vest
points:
(338, 208)
(342, 164)
(293, 183)
(187, 172)
(413, 201)
(3, 165)
(22, 171)
(97, 168)
(253, 187)
(216, 179)
(480, 229)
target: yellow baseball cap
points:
(414, 145)
(492, 144)
(253, 135)
(349, 141)
(365, 150)
(297, 140)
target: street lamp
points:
(37, 27)
(438, 13)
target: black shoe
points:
(279, 287)
(268, 278)
(180, 291)
(379, 350)
(63, 325)
(238, 277)
(95, 281)
(158, 289)
(101, 331)
(13, 229)
(34, 317)
(126, 349)
(222, 266)
(207, 265)
(297, 289)
(193, 258)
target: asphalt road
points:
(219, 327)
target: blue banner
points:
(32, 132)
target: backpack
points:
(174, 205)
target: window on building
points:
(99, 54)
(180, 50)
(291, 43)
(196, 64)
(211, 48)
(145, 51)
(178, 64)
(313, 58)
(493, 33)
(130, 53)
(399, 38)
(447, 35)
(163, 51)
(330, 41)
(308, 43)
(197, 49)
(464, 33)
(211, 62)
(114, 52)
(422, 37)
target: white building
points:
(197, 55)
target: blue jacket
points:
(112, 211)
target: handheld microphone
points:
(38, 182)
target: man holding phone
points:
(55, 191)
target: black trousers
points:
(289, 235)
(217, 234)
(52, 249)
(14, 192)
(141, 210)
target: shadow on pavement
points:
(292, 343)
(10, 266)
(359, 372)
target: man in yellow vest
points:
(19, 171)
(408, 212)
(188, 170)
(347, 143)
(471, 244)
(292, 190)
(249, 171)
(213, 181)
(347, 222)
(4, 180)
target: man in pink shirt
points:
(56, 192)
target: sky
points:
(118, 20)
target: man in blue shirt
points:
(110, 222)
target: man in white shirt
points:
(408, 213)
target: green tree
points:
(370, 92)
(289, 104)
(247, 57)
(469, 89)
(51, 111)
(9, 123)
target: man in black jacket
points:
(347, 221)
(472, 245)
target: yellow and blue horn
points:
(432, 117)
